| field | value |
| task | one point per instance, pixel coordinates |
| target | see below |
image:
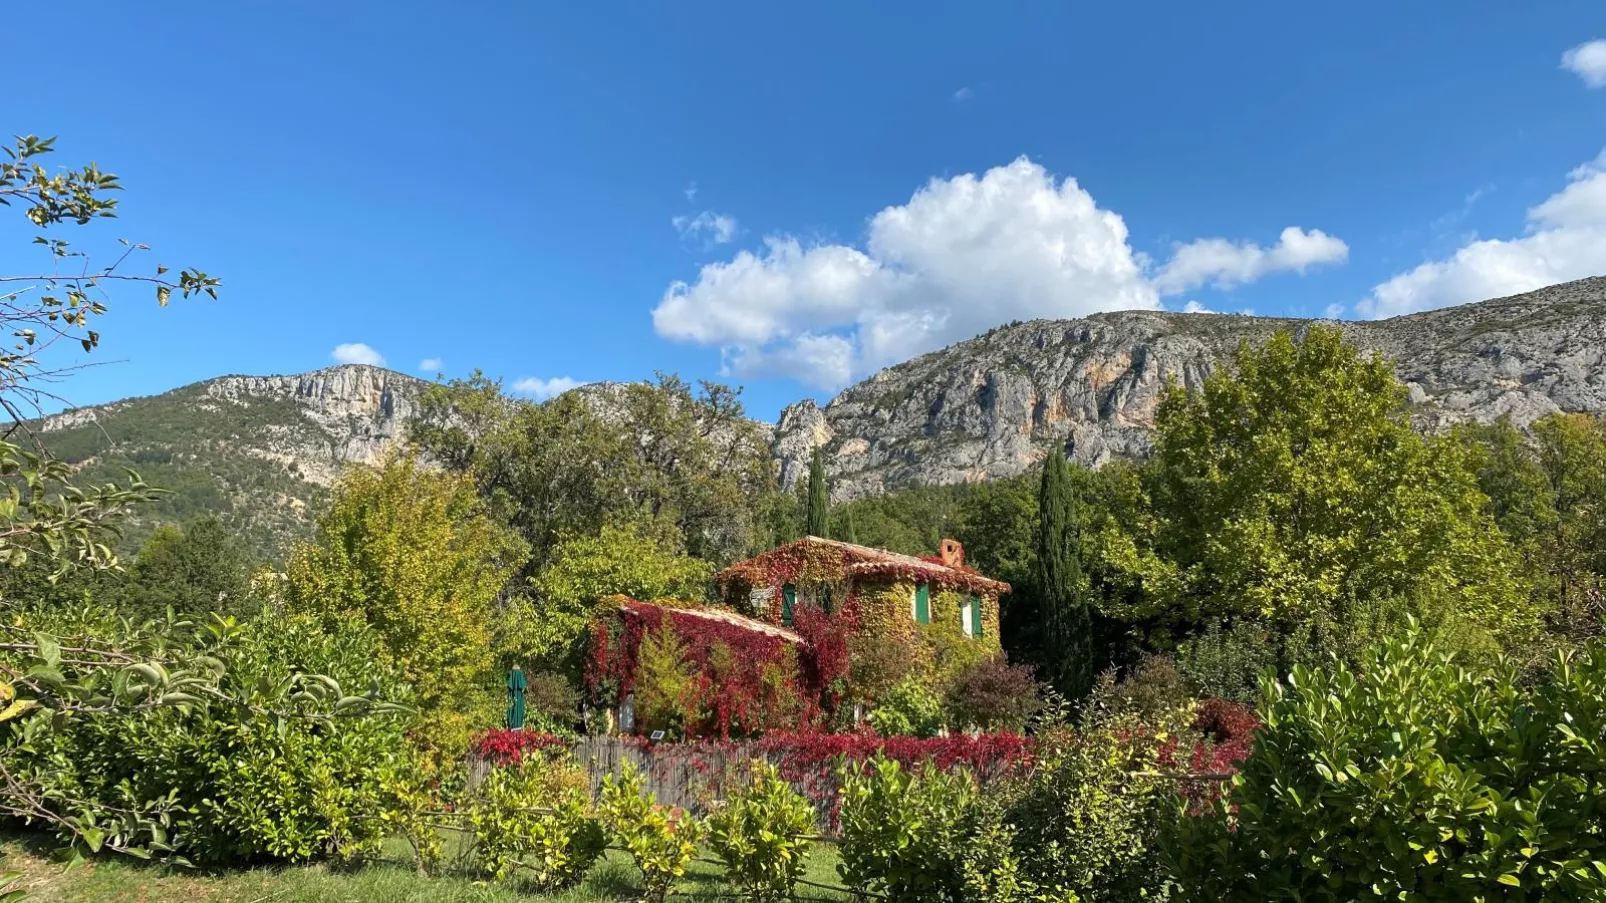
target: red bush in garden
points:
(505, 747)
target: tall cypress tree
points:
(848, 533)
(819, 501)
(1061, 583)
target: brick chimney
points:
(952, 552)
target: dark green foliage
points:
(819, 508)
(1412, 777)
(195, 570)
(1061, 584)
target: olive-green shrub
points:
(1412, 777)
(1087, 817)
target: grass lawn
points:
(127, 881)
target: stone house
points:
(889, 595)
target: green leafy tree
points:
(659, 452)
(193, 570)
(1293, 490)
(1061, 583)
(761, 833)
(819, 509)
(635, 560)
(413, 554)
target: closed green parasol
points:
(515, 697)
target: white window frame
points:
(965, 616)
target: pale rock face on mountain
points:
(995, 405)
(359, 414)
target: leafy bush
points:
(993, 695)
(1088, 815)
(661, 841)
(1228, 661)
(759, 833)
(911, 709)
(552, 698)
(923, 835)
(535, 814)
(248, 769)
(1412, 778)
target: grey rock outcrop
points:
(993, 406)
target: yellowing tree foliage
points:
(412, 553)
(621, 559)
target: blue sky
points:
(788, 196)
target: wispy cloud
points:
(714, 228)
(357, 353)
(431, 365)
(964, 94)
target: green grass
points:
(108, 880)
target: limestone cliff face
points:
(993, 406)
(349, 414)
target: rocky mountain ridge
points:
(993, 406)
(262, 451)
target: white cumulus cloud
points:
(357, 353)
(1588, 62)
(542, 389)
(715, 228)
(430, 365)
(1565, 240)
(964, 254)
(1225, 264)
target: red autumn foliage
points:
(505, 747)
(749, 681)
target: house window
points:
(975, 617)
(827, 603)
(922, 606)
(967, 621)
(788, 604)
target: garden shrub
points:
(760, 834)
(505, 747)
(993, 695)
(1088, 815)
(276, 782)
(551, 698)
(911, 709)
(659, 840)
(535, 813)
(1412, 777)
(923, 835)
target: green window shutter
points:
(975, 617)
(788, 604)
(923, 604)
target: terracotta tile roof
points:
(864, 558)
(728, 617)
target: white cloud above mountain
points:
(542, 389)
(1588, 62)
(1565, 240)
(357, 353)
(430, 365)
(964, 254)
(1225, 264)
